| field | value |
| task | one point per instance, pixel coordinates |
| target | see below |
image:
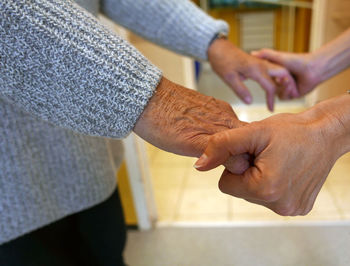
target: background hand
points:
(294, 154)
(233, 66)
(181, 121)
(299, 65)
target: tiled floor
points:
(186, 195)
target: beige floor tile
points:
(340, 172)
(256, 113)
(170, 160)
(165, 178)
(242, 210)
(151, 151)
(202, 201)
(167, 201)
(209, 179)
(167, 216)
(338, 183)
(341, 191)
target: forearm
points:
(333, 57)
(59, 64)
(181, 120)
(178, 119)
(178, 25)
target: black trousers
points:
(94, 237)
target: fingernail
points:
(201, 161)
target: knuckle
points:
(268, 195)
(269, 191)
(287, 209)
(306, 212)
(256, 72)
(230, 76)
(216, 139)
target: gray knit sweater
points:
(67, 87)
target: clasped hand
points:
(292, 155)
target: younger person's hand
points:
(293, 155)
(299, 65)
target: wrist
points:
(317, 66)
(152, 115)
(218, 47)
(332, 120)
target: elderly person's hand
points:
(293, 155)
(181, 120)
(233, 66)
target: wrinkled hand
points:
(294, 154)
(299, 65)
(181, 120)
(233, 66)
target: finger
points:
(237, 164)
(280, 58)
(235, 82)
(285, 80)
(291, 85)
(270, 88)
(223, 145)
(270, 55)
(241, 186)
(284, 91)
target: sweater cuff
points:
(144, 87)
(207, 30)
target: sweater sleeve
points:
(178, 25)
(59, 64)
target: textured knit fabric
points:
(175, 24)
(66, 82)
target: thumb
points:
(223, 145)
(270, 55)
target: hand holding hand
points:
(294, 154)
(181, 121)
(299, 65)
(313, 68)
(233, 66)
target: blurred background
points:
(163, 193)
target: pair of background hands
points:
(267, 161)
